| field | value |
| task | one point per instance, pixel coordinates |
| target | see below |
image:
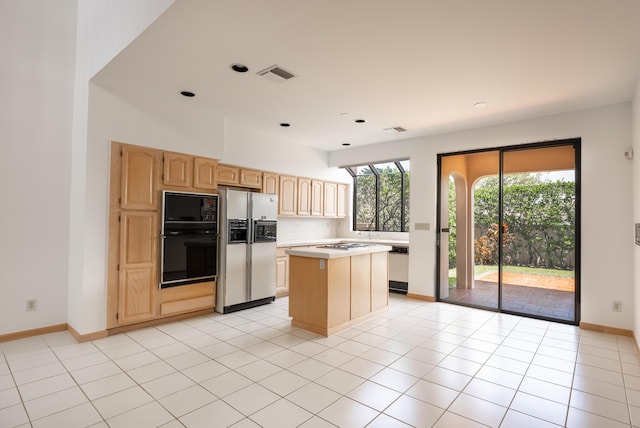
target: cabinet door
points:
(204, 173)
(304, 197)
(379, 280)
(251, 178)
(330, 199)
(282, 276)
(177, 169)
(270, 183)
(138, 284)
(138, 179)
(228, 174)
(360, 285)
(288, 197)
(317, 195)
(342, 200)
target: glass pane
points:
(407, 186)
(538, 260)
(469, 212)
(390, 197)
(366, 201)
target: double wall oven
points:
(189, 238)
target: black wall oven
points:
(189, 238)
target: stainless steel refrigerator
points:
(248, 230)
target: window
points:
(381, 196)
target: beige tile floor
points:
(421, 364)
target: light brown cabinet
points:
(288, 196)
(379, 281)
(360, 285)
(251, 178)
(133, 295)
(342, 200)
(329, 295)
(227, 174)
(270, 183)
(186, 298)
(317, 196)
(282, 273)
(204, 173)
(177, 169)
(304, 197)
(138, 178)
(235, 176)
(330, 199)
(138, 267)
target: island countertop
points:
(330, 252)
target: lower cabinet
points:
(282, 273)
(329, 295)
(137, 268)
(187, 298)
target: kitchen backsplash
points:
(300, 229)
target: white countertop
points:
(335, 253)
(313, 242)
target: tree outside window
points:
(381, 196)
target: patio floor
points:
(527, 294)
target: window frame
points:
(404, 227)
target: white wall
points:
(105, 27)
(636, 205)
(607, 263)
(37, 41)
(247, 148)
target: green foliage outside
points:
(539, 216)
(390, 200)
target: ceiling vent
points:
(276, 74)
(395, 129)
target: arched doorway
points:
(508, 233)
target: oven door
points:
(189, 256)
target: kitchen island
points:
(333, 287)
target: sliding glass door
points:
(508, 230)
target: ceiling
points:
(418, 64)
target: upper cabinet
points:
(330, 199)
(177, 169)
(304, 196)
(270, 183)
(234, 176)
(342, 200)
(288, 196)
(204, 173)
(251, 178)
(188, 173)
(139, 173)
(317, 196)
(228, 175)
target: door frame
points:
(576, 143)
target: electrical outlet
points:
(616, 306)
(32, 305)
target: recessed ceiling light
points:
(359, 121)
(188, 94)
(239, 68)
(285, 125)
(346, 144)
(480, 104)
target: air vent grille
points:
(395, 129)
(276, 74)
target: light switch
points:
(422, 226)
